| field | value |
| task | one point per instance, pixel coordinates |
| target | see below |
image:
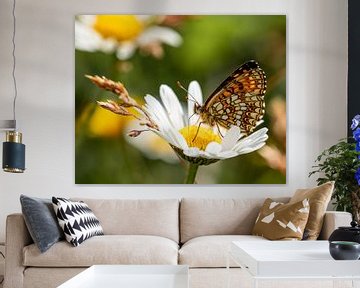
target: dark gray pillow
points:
(41, 221)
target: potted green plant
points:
(341, 163)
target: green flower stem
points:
(191, 175)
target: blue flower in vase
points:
(355, 122)
(357, 147)
(356, 134)
(357, 176)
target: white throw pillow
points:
(76, 220)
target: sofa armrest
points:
(17, 237)
(332, 220)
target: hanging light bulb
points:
(13, 149)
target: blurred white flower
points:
(123, 35)
(151, 145)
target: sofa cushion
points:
(77, 220)
(107, 249)
(279, 221)
(211, 251)
(41, 221)
(319, 198)
(158, 217)
(200, 217)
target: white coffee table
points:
(131, 276)
(297, 260)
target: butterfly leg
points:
(191, 117)
(218, 127)
(197, 131)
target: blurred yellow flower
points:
(101, 122)
(104, 123)
(120, 27)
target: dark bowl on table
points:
(344, 250)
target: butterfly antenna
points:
(192, 98)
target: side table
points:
(286, 262)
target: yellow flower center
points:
(119, 27)
(199, 137)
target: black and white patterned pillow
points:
(77, 220)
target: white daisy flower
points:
(201, 145)
(123, 35)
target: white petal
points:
(89, 20)
(86, 39)
(172, 106)
(250, 146)
(160, 34)
(249, 149)
(177, 139)
(227, 154)
(125, 50)
(213, 148)
(230, 139)
(157, 112)
(108, 45)
(213, 151)
(195, 96)
(256, 137)
(259, 133)
(166, 136)
(160, 117)
(259, 123)
(195, 92)
(192, 152)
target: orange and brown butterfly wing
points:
(239, 100)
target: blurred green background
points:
(213, 47)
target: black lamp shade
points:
(13, 157)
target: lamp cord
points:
(14, 60)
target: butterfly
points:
(239, 100)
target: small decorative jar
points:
(345, 233)
(344, 250)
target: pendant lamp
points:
(13, 160)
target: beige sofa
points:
(194, 232)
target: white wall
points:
(316, 92)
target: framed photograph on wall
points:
(180, 99)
